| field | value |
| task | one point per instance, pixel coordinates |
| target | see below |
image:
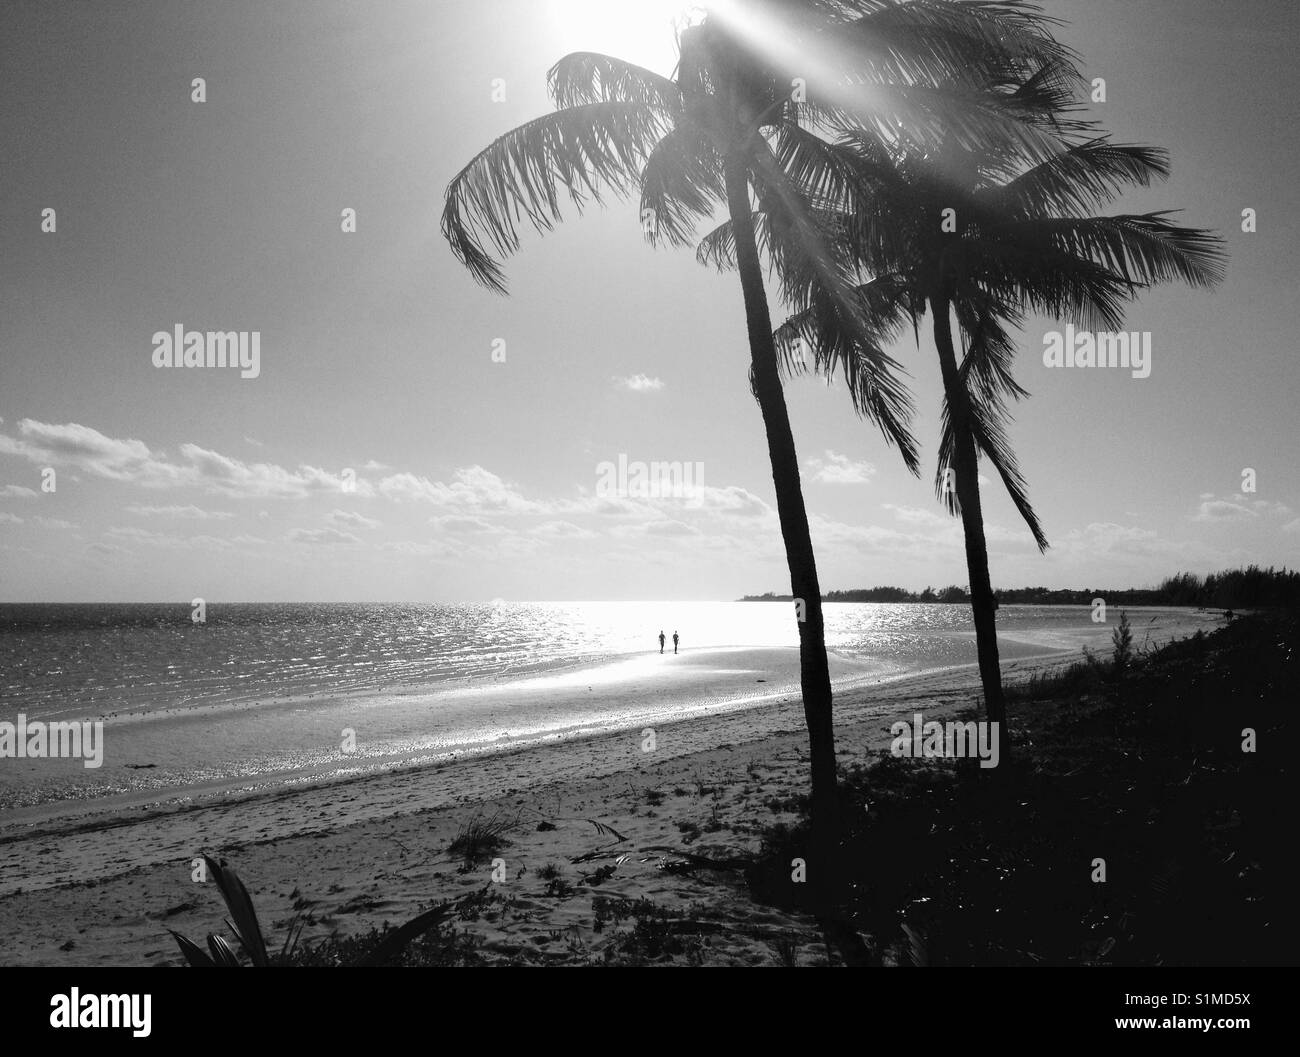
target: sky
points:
(384, 453)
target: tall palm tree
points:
(726, 131)
(1023, 239)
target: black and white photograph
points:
(629, 483)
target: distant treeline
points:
(1249, 588)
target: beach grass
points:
(481, 837)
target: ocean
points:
(259, 695)
(76, 661)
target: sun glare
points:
(641, 31)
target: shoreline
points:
(161, 760)
(113, 890)
(72, 816)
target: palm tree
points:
(726, 130)
(1022, 239)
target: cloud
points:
(1136, 548)
(471, 489)
(561, 530)
(209, 543)
(328, 536)
(729, 501)
(233, 477)
(1105, 535)
(912, 515)
(875, 539)
(16, 491)
(53, 522)
(414, 549)
(7, 518)
(618, 507)
(670, 528)
(460, 523)
(640, 383)
(1223, 510)
(82, 448)
(351, 519)
(132, 534)
(187, 513)
(1237, 508)
(840, 469)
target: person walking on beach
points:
(661, 640)
(674, 642)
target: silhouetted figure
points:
(661, 641)
(674, 642)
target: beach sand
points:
(351, 854)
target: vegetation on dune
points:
(480, 838)
(430, 938)
(1145, 769)
(1248, 588)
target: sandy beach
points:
(102, 886)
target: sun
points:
(641, 31)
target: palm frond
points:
(933, 41)
(1144, 249)
(245, 925)
(985, 421)
(195, 956)
(222, 954)
(1081, 178)
(580, 150)
(826, 174)
(590, 77)
(1033, 275)
(397, 940)
(884, 306)
(990, 349)
(1048, 95)
(680, 184)
(923, 117)
(819, 340)
(815, 273)
(718, 248)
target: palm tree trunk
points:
(972, 520)
(814, 673)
